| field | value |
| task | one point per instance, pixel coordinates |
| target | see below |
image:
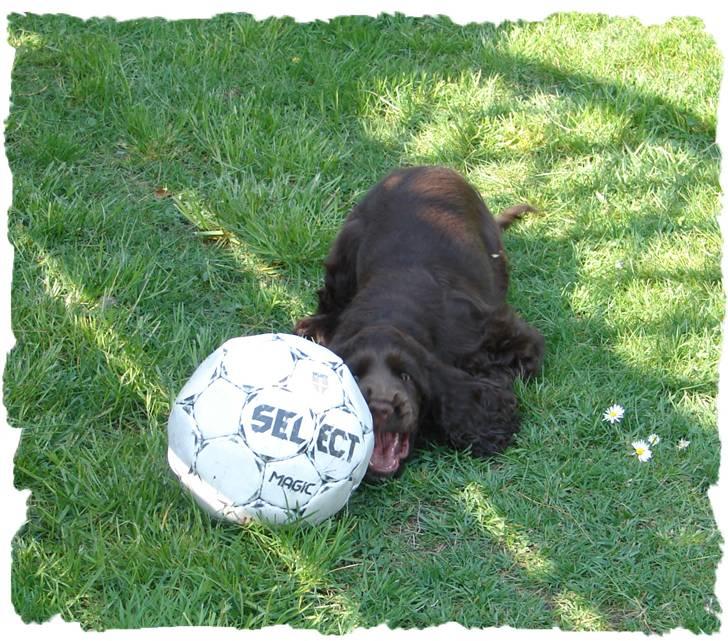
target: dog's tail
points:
(507, 216)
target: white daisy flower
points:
(613, 414)
(642, 450)
(653, 439)
(682, 444)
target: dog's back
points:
(431, 218)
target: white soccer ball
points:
(270, 427)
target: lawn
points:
(177, 183)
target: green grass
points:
(178, 183)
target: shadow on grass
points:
(526, 510)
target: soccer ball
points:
(270, 427)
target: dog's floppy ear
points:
(474, 413)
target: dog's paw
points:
(310, 328)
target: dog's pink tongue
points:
(389, 448)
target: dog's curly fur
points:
(414, 301)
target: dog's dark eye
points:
(404, 376)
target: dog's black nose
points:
(381, 413)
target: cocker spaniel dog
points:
(414, 302)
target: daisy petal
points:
(642, 450)
(613, 414)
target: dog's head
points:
(406, 388)
(388, 367)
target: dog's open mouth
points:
(389, 449)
